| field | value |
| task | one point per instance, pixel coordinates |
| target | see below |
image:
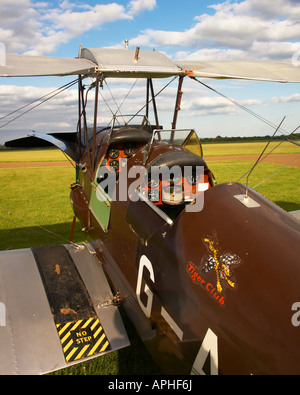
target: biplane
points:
(207, 273)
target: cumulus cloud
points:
(207, 105)
(74, 23)
(244, 29)
(286, 99)
(60, 113)
(250, 29)
(37, 29)
(135, 7)
(56, 115)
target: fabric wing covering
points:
(128, 63)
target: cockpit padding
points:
(129, 135)
(178, 158)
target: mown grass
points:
(214, 149)
(41, 195)
(282, 188)
(250, 148)
(32, 155)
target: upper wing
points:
(109, 62)
(55, 310)
(128, 63)
(249, 70)
(35, 66)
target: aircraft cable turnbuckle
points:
(115, 301)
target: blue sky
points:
(193, 30)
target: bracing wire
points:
(269, 153)
(114, 114)
(254, 114)
(256, 163)
(62, 238)
(278, 171)
(45, 97)
(119, 106)
(277, 128)
(39, 101)
(157, 94)
(34, 101)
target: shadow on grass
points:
(35, 236)
(135, 359)
(288, 206)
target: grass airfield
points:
(39, 195)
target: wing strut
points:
(154, 102)
(178, 103)
(95, 121)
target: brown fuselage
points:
(220, 282)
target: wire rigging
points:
(157, 94)
(258, 159)
(273, 149)
(269, 123)
(277, 128)
(62, 238)
(39, 101)
(278, 171)
(45, 97)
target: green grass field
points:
(32, 196)
(250, 148)
(215, 149)
(33, 155)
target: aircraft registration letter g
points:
(144, 262)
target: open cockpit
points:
(164, 167)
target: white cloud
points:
(20, 25)
(207, 105)
(136, 7)
(56, 115)
(251, 29)
(37, 29)
(248, 29)
(267, 9)
(74, 23)
(208, 54)
(286, 99)
(60, 113)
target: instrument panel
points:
(178, 189)
(173, 190)
(118, 151)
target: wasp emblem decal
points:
(221, 263)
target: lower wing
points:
(56, 309)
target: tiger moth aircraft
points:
(208, 273)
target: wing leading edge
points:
(127, 63)
(50, 310)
